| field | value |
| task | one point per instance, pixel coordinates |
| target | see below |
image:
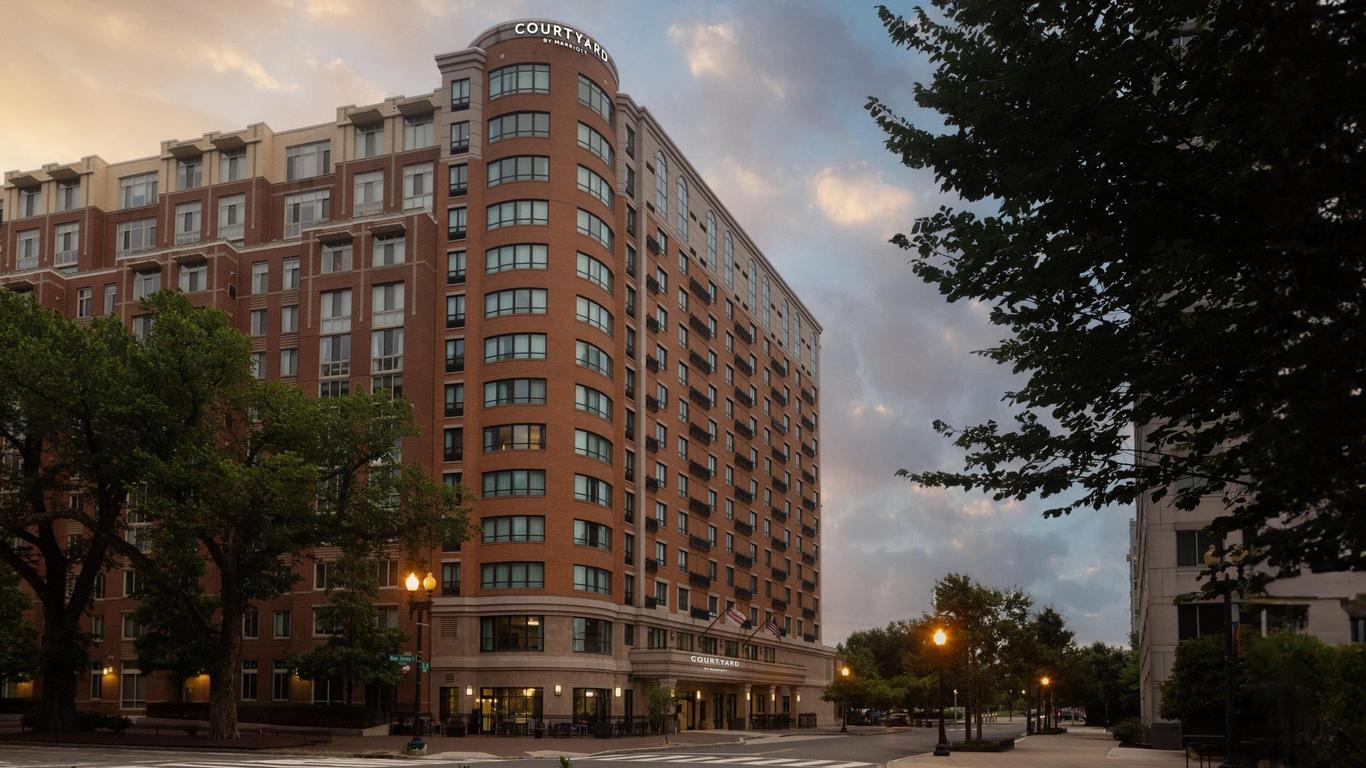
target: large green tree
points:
(980, 622)
(1162, 205)
(261, 474)
(18, 643)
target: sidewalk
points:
(1080, 747)
(477, 747)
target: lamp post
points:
(419, 609)
(844, 725)
(1043, 713)
(942, 748)
(1230, 565)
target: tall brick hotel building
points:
(591, 342)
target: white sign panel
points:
(559, 34)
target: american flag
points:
(735, 616)
(772, 626)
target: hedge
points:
(307, 715)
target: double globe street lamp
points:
(1230, 566)
(419, 608)
(844, 726)
(942, 748)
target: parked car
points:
(897, 717)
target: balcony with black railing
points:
(742, 593)
(651, 363)
(699, 290)
(778, 425)
(698, 324)
(699, 543)
(699, 580)
(743, 528)
(651, 403)
(743, 332)
(651, 524)
(779, 367)
(743, 428)
(809, 396)
(808, 423)
(808, 585)
(652, 245)
(744, 495)
(652, 285)
(701, 614)
(651, 601)
(651, 444)
(809, 450)
(699, 434)
(652, 323)
(699, 506)
(778, 454)
(779, 397)
(779, 545)
(747, 369)
(778, 575)
(700, 361)
(698, 396)
(778, 485)
(744, 462)
(808, 558)
(808, 477)
(778, 514)
(809, 503)
(744, 561)
(651, 484)
(808, 530)
(808, 613)
(779, 604)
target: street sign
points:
(424, 666)
(402, 658)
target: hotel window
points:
(232, 217)
(387, 305)
(514, 482)
(369, 140)
(68, 237)
(519, 125)
(455, 400)
(453, 444)
(595, 142)
(304, 161)
(280, 675)
(417, 187)
(593, 313)
(258, 365)
(517, 575)
(515, 301)
(260, 277)
(258, 322)
(459, 179)
(592, 490)
(596, 535)
(514, 437)
(766, 308)
(450, 579)
(97, 675)
(519, 78)
(630, 141)
(232, 164)
(592, 401)
(591, 95)
(336, 311)
(111, 296)
(455, 311)
(30, 201)
(591, 357)
(251, 624)
(68, 195)
(1357, 627)
(514, 346)
(457, 223)
(682, 208)
(517, 212)
(132, 689)
(460, 137)
(460, 93)
(306, 209)
(85, 299)
(369, 197)
(323, 626)
(519, 168)
(189, 173)
(26, 253)
(291, 273)
(134, 191)
(595, 185)
(590, 579)
(1191, 546)
(593, 636)
(512, 633)
(512, 528)
(750, 279)
(711, 240)
(336, 258)
(728, 266)
(417, 131)
(1199, 619)
(661, 184)
(386, 355)
(389, 249)
(135, 236)
(514, 392)
(520, 256)
(455, 355)
(187, 223)
(455, 267)
(289, 362)
(592, 445)
(146, 283)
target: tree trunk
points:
(225, 676)
(62, 655)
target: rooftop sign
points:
(559, 34)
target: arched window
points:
(661, 184)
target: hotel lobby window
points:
(512, 633)
(592, 703)
(592, 636)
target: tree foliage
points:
(18, 642)
(1162, 204)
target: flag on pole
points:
(735, 616)
(773, 627)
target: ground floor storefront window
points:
(510, 710)
(592, 703)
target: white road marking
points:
(745, 760)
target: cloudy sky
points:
(767, 101)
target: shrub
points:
(99, 721)
(985, 745)
(1130, 732)
(297, 714)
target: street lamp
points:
(1230, 564)
(1045, 702)
(942, 748)
(419, 609)
(844, 726)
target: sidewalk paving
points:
(1080, 747)
(488, 747)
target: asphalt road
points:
(866, 750)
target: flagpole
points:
(709, 626)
